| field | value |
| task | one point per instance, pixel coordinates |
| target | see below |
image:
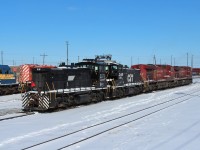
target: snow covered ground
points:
(174, 128)
(10, 104)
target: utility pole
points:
(2, 57)
(192, 62)
(131, 61)
(171, 60)
(44, 55)
(33, 60)
(67, 43)
(154, 59)
(187, 59)
(174, 62)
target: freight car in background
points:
(94, 80)
(156, 77)
(196, 71)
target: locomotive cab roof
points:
(5, 69)
(100, 60)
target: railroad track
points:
(87, 133)
(18, 116)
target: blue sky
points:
(137, 29)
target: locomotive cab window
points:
(106, 68)
(114, 67)
(96, 68)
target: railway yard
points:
(166, 119)
(99, 75)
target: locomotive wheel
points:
(71, 100)
(120, 93)
(94, 97)
(100, 96)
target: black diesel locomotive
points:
(89, 81)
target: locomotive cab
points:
(6, 75)
(103, 70)
(98, 73)
(113, 71)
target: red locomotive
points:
(196, 71)
(163, 76)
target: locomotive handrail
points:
(114, 84)
(21, 87)
(54, 89)
(49, 89)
